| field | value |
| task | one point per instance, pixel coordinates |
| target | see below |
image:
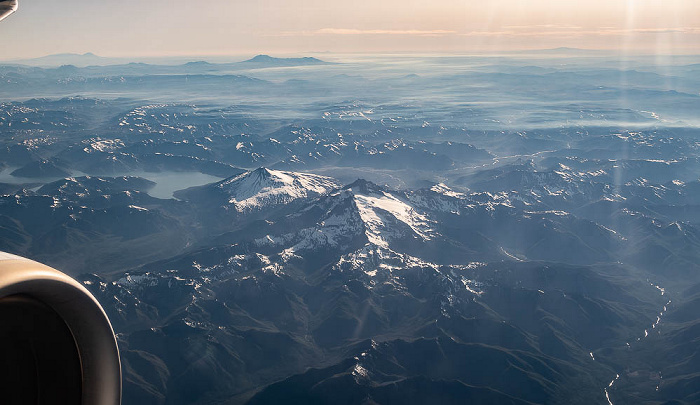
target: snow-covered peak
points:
(359, 213)
(380, 211)
(366, 208)
(265, 187)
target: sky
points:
(142, 28)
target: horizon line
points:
(603, 52)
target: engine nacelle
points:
(57, 345)
(7, 7)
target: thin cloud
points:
(350, 31)
(686, 30)
(548, 30)
(518, 31)
(543, 27)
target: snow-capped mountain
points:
(264, 187)
(358, 214)
(259, 190)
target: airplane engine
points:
(57, 345)
(7, 7)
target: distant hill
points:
(266, 60)
(75, 59)
(91, 59)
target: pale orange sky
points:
(219, 27)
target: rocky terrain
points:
(294, 231)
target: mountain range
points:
(509, 229)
